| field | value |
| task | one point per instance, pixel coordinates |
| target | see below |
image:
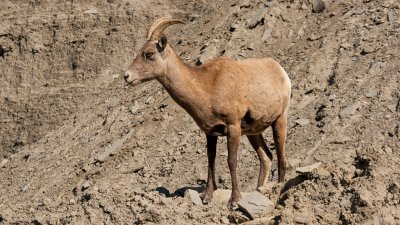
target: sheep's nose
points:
(126, 75)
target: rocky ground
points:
(78, 146)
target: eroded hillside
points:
(64, 105)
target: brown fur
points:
(225, 98)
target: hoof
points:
(232, 205)
(233, 201)
(205, 198)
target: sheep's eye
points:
(149, 55)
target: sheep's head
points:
(151, 61)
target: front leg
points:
(234, 132)
(211, 153)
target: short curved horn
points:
(158, 27)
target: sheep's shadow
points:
(289, 184)
(180, 192)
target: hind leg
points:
(264, 155)
(279, 128)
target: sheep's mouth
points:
(134, 82)
(138, 81)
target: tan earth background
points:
(78, 146)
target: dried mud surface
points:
(63, 104)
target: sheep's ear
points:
(162, 43)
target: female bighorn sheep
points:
(225, 98)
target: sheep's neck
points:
(181, 82)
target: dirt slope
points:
(63, 104)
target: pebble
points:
(371, 94)
(225, 220)
(86, 185)
(341, 139)
(308, 169)
(221, 195)
(350, 110)
(255, 204)
(253, 21)
(266, 35)
(318, 6)
(302, 122)
(135, 108)
(138, 191)
(394, 188)
(194, 196)
(149, 100)
(302, 218)
(3, 163)
(224, 153)
(25, 188)
(244, 4)
(332, 97)
(346, 45)
(367, 49)
(307, 99)
(391, 16)
(208, 54)
(91, 11)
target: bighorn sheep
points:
(225, 98)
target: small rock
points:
(367, 49)
(25, 188)
(115, 76)
(134, 109)
(332, 97)
(391, 16)
(250, 46)
(376, 68)
(85, 185)
(260, 221)
(371, 94)
(256, 204)
(193, 17)
(303, 6)
(308, 169)
(3, 163)
(293, 162)
(340, 139)
(233, 27)
(225, 220)
(266, 35)
(302, 218)
(143, 202)
(194, 196)
(221, 195)
(207, 55)
(138, 191)
(358, 11)
(318, 6)
(345, 45)
(307, 99)
(72, 201)
(253, 21)
(350, 110)
(394, 188)
(335, 120)
(150, 99)
(302, 122)
(388, 150)
(270, 3)
(244, 4)
(91, 11)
